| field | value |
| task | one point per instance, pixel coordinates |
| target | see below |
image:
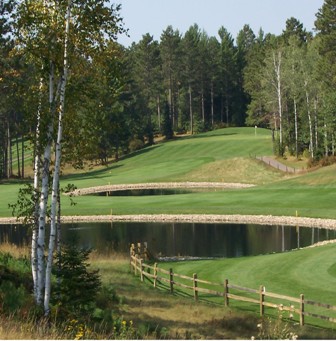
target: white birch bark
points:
(44, 195)
(296, 128)
(325, 138)
(34, 261)
(316, 122)
(311, 145)
(55, 185)
(277, 70)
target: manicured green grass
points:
(308, 271)
(221, 155)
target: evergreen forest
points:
(119, 99)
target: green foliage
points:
(20, 265)
(12, 297)
(279, 149)
(78, 286)
(15, 283)
(25, 205)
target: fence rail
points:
(226, 290)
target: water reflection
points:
(144, 192)
(185, 239)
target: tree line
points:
(194, 82)
(120, 99)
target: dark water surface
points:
(182, 239)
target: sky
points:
(153, 16)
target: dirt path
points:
(276, 164)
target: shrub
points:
(135, 145)
(12, 298)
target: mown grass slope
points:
(309, 271)
(222, 155)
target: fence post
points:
(145, 251)
(135, 264)
(262, 300)
(139, 249)
(171, 280)
(195, 287)
(141, 270)
(131, 255)
(226, 293)
(301, 310)
(155, 274)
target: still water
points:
(185, 239)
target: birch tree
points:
(56, 33)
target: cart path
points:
(276, 164)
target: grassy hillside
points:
(221, 155)
(309, 271)
(288, 273)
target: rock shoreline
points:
(198, 218)
(186, 218)
(158, 185)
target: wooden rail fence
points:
(228, 291)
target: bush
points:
(135, 145)
(279, 149)
(12, 298)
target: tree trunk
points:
(45, 192)
(18, 156)
(55, 185)
(203, 109)
(326, 151)
(37, 170)
(311, 145)
(212, 105)
(22, 156)
(222, 109)
(296, 128)
(5, 151)
(10, 154)
(158, 111)
(227, 110)
(277, 70)
(191, 112)
(316, 123)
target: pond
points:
(181, 239)
(149, 191)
